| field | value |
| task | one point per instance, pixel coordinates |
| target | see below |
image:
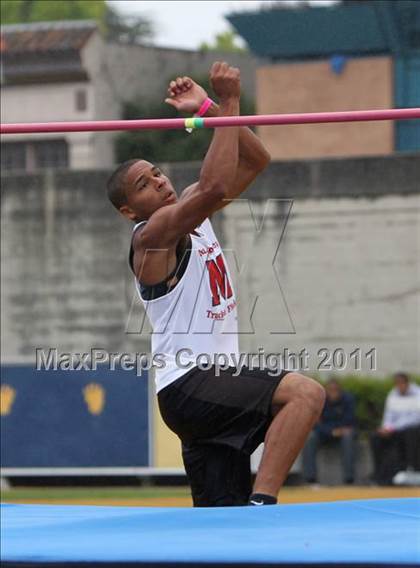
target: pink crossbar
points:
(213, 122)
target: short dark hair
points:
(401, 375)
(116, 184)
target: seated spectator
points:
(337, 425)
(396, 444)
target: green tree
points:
(129, 29)
(224, 41)
(23, 11)
(114, 25)
(165, 145)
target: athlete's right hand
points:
(225, 80)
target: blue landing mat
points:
(381, 532)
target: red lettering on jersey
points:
(219, 280)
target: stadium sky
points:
(186, 24)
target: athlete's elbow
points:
(263, 161)
(258, 162)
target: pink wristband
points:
(204, 107)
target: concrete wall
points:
(348, 273)
(348, 262)
(364, 83)
(348, 266)
(65, 277)
(144, 71)
(106, 101)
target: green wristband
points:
(194, 122)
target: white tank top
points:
(198, 315)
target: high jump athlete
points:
(184, 283)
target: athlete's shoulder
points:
(139, 226)
(137, 229)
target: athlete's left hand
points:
(185, 95)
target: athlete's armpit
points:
(152, 264)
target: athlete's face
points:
(147, 189)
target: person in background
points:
(336, 425)
(396, 444)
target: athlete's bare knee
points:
(297, 387)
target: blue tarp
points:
(382, 532)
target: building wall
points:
(347, 267)
(48, 103)
(121, 73)
(348, 279)
(117, 73)
(144, 71)
(44, 102)
(347, 270)
(365, 83)
(105, 100)
(348, 262)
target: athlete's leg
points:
(219, 475)
(301, 401)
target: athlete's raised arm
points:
(141, 192)
(217, 176)
(188, 96)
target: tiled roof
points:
(44, 37)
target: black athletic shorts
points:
(220, 420)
